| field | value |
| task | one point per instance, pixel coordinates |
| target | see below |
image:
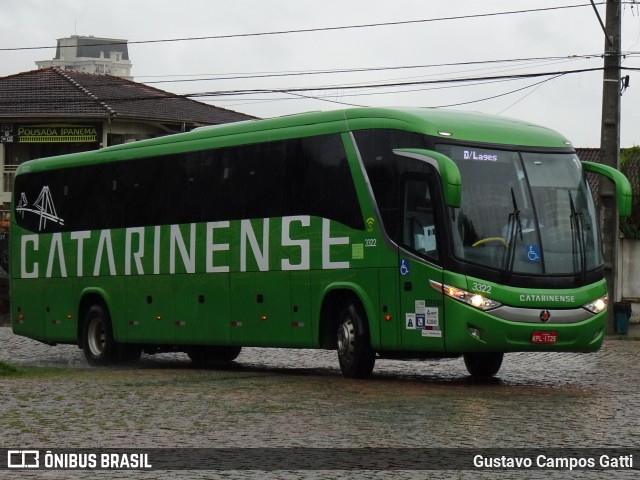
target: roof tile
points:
(54, 92)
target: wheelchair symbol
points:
(404, 267)
(533, 253)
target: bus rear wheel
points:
(483, 365)
(355, 355)
(97, 339)
(100, 349)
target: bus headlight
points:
(598, 305)
(474, 299)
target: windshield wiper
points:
(514, 227)
(577, 234)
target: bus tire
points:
(202, 355)
(98, 345)
(129, 354)
(355, 355)
(483, 365)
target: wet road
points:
(297, 398)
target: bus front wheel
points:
(483, 365)
(354, 350)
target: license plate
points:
(544, 337)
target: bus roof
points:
(448, 124)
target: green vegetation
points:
(7, 370)
(630, 166)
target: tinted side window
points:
(384, 170)
(62, 200)
(308, 176)
(257, 181)
(320, 181)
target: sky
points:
(426, 46)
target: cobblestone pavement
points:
(297, 398)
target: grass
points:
(7, 370)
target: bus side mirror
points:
(623, 188)
(446, 168)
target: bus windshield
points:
(524, 213)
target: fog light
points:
(475, 333)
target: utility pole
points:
(610, 151)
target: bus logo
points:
(545, 316)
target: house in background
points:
(52, 111)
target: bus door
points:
(421, 307)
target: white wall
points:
(629, 275)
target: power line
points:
(313, 30)
(526, 61)
(439, 87)
(537, 84)
(296, 92)
(392, 84)
(249, 75)
(534, 87)
(281, 74)
(299, 91)
(341, 102)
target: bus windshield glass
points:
(524, 212)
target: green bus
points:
(380, 233)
